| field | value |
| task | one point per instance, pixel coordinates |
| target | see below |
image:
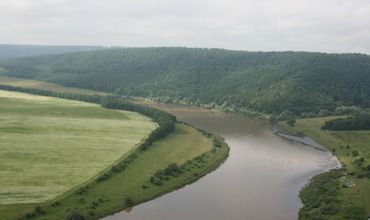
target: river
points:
(260, 180)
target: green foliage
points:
(291, 122)
(358, 122)
(129, 202)
(320, 197)
(271, 82)
(74, 215)
(172, 169)
(355, 153)
(355, 213)
(352, 150)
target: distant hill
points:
(259, 81)
(13, 51)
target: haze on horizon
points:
(262, 25)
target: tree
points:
(291, 122)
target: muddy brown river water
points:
(260, 180)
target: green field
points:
(34, 84)
(50, 145)
(103, 198)
(54, 151)
(354, 180)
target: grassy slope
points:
(357, 195)
(110, 195)
(50, 145)
(34, 84)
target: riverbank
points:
(183, 156)
(337, 194)
(229, 126)
(194, 154)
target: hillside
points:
(8, 51)
(245, 81)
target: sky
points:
(254, 25)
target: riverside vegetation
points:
(184, 154)
(343, 193)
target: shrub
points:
(74, 215)
(355, 153)
(54, 204)
(172, 170)
(156, 181)
(39, 210)
(129, 202)
(355, 213)
(291, 122)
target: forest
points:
(269, 82)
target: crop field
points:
(35, 84)
(49, 146)
(102, 198)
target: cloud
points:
(311, 25)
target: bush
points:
(172, 169)
(156, 181)
(291, 122)
(74, 215)
(129, 202)
(55, 204)
(39, 210)
(355, 153)
(286, 115)
(159, 174)
(355, 213)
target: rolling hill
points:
(8, 51)
(269, 82)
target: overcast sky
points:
(309, 25)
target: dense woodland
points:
(271, 82)
(357, 122)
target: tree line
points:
(357, 122)
(270, 82)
